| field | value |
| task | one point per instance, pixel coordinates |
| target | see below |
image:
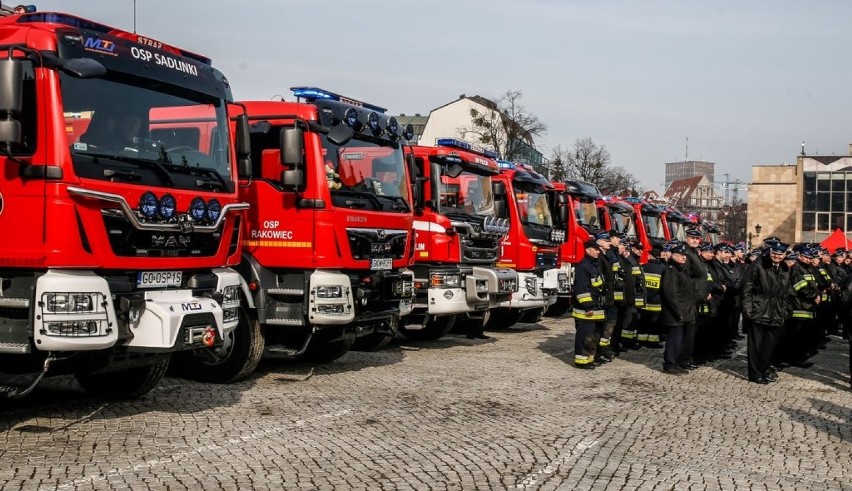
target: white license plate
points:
(381, 263)
(157, 279)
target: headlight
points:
(508, 285)
(373, 123)
(231, 293)
(530, 284)
(329, 291)
(393, 126)
(331, 309)
(197, 209)
(351, 118)
(214, 209)
(167, 207)
(445, 280)
(74, 328)
(59, 303)
(148, 205)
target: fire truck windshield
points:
(622, 221)
(654, 226)
(677, 230)
(128, 128)
(533, 207)
(367, 173)
(468, 194)
(587, 215)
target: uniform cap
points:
(722, 247)
(604, 235)
(616, 234)
(706, 247)
(808, 252)
(792, 256)
(693, 232)
(840, 251)
(593, 243)
(679, 249)
(779, 247)
(772, 239)
(740, 247)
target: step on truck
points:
(116, 241)
(457, 240)
(531, 248)
(328, 239)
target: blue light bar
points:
(505, 164)
(311, 94)
(470, 147)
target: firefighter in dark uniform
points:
(697, 271)
(707, 335)
(766, 302)
(828, 287)
(649, 329)
(610, 267)
(725, 274)
(838, 272)
(801, 325)
(635, 285)
(679, 308)
(588, 306)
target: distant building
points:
(824, 185)
(773, 201)
(453, 119)
(684, 169)
(695, 195)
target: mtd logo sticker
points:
(102, 46)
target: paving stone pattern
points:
(458, 414)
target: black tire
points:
(230, 363)
(436, 328)
(504, 318)
(474, 325)
(373, 341)
(560, 308)
(129, 383)
(531, 316)
(320, 351)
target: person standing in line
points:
(697, 271)
(838, 272)
(679, 308)
(636, 280)
(588, 306)
(706, 336)
(767, 292)
(649, 329)
(807, 297)
(609, 267)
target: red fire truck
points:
(115, 241)
(457, 239)
(579, 200)
(536, 231)
(328, 238)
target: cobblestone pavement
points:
(506, 413)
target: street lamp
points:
(757, 228)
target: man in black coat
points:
(696, 268)
(767, 292)
(679, 308)
(588, 306)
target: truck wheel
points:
(531, 316)
(327, 351)
(232, 362)
(435, 328)
(373, 341)
(504, 318)
(560, 308)
(130, 383)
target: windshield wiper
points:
(399, 203)
(148, 164)
(360, 194)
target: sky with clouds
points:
(745, 82)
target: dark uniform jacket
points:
(589, 291)
(605, 263)
(767, 293)
(803, 278)
(636, 278)
(677, 294)
(723, 275)
(696, 268)
(653, 273)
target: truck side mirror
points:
(562, 208)
(11, 98)
(293, 179)
(292, 147)
(243, 144)
(499, 190)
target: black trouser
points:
(649, 330)
(586, 341)
(674, 347)
(608, 328)
(688, 343)
(761, 343)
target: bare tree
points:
(504, 125)
(557, 166)
(586, 161)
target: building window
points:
(823, 222)
(809, 221)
